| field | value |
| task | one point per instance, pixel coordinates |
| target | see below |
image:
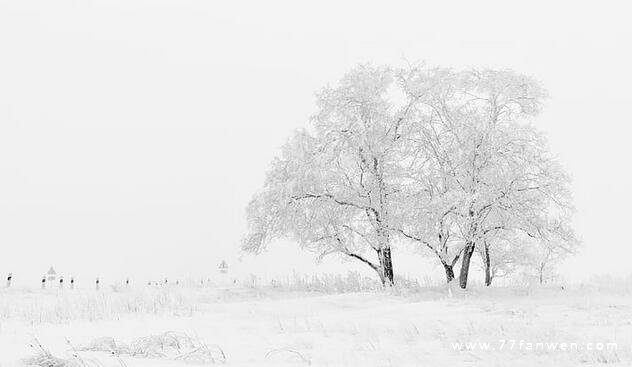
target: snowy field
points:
(588, 325)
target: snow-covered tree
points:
(481, 167)
(334, 188)
(543, 262)
(505, 254)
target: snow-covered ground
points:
(517, 327)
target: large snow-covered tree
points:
(482, 168)
(334, 188)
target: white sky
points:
(132, 133)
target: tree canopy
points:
(448, 160)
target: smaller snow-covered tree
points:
(501, 257)
(549, 247)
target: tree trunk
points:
(465, 264)
(541, 273)
(488, 270)
(386, 265)
(449, 272)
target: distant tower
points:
(51, 275)
(9, 278)
(223, 267)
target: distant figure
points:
(149, 283)
(72, 282)
(61, 282)
(97, 283)
(166, 281)
(9, 277)
(43, 281)
(51, 275)
(223, 267)
(127, 282)
(177, 282)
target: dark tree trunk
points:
(488, 270)
(449, 271)
(386, 265)
(465, 264)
